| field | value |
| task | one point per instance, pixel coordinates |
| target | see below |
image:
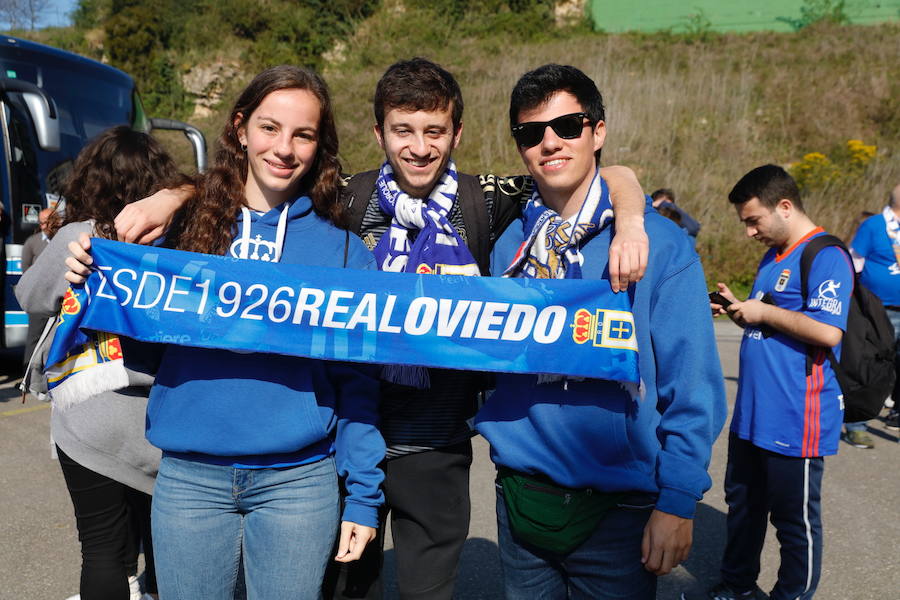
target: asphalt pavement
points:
(40, 558)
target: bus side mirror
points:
(41, 108)
(194, 136)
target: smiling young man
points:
(597, 485)
(789, 407)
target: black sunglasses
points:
(567, 127)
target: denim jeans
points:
(605, 567)
(282, 521)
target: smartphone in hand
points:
(717, 298)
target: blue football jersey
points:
(881, 272)
(779, 406)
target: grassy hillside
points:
(693, 113)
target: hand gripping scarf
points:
(552, 249)
(81, 365)
(437, 248)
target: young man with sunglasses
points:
(597, 485)
(425, 413)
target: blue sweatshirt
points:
(593, 435)
(264, 410)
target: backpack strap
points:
(809, 255)
(470, 197)
(355, 197)
(813, 247)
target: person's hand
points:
(354, 538)
(80, 260)
(628, 253)
(718, 309)
(667, 542)
(750, 312)
(146, 220)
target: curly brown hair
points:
(118, 167)
(210, 216)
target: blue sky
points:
(57, 13)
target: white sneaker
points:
(75, 597)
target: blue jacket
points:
(265, 410)
(592, 434)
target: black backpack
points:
(866, 369)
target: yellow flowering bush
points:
(816, 169)
(860, 155)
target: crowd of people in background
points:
(597, 485)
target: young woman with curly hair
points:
(108, 465)
(253, 444)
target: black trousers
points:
(427, 498)
(112, 519)
(761, 485)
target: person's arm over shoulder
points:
(41, 288)
(630, 247)
(689, 383)
(146, 220)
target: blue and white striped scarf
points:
(437, 248)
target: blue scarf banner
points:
(576, 328)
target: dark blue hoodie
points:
(266, 410)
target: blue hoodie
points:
(591, 434)
(265, 410)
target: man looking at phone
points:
(789, 407)
(623, 472)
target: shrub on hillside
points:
(848, 162)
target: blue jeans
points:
(282, 521)
(605, 567)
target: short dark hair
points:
(536, 87)
(418, 84)
(769, 183)
(664, 193)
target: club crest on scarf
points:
(81, 365)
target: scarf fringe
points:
(106, 377)
(408, 375)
